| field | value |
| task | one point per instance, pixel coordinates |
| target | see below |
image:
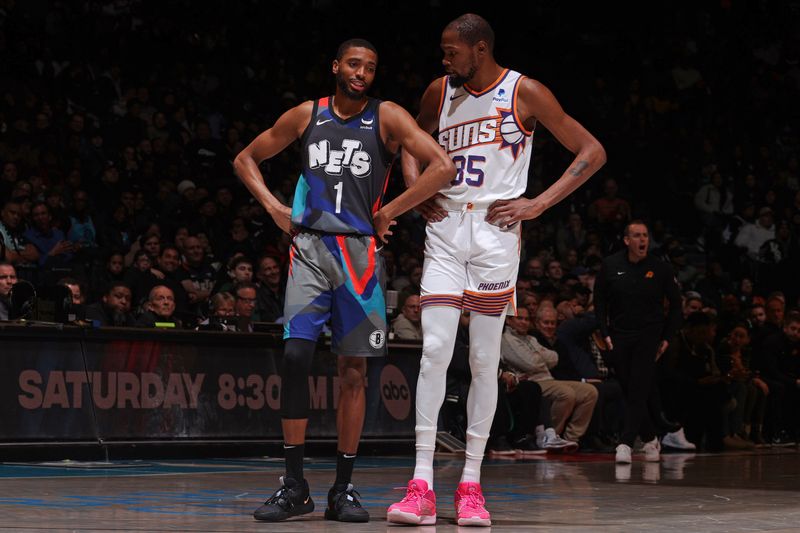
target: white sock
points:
(439, 327)
(485, 333)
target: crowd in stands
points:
(119, 122)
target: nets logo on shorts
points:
(377, 338)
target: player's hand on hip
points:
(382, 226)
(504, 213)
(282, 216)
(431, 210)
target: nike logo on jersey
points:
(457, 96)
(367, 122)
(333, 161)
(321, 122)
(620, 273)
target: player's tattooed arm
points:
(579, 167)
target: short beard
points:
(458, 81)
(341, 82)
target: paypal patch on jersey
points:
(345, 171)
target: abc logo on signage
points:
(395, 393)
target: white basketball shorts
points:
(469, 263)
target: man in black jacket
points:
(629, 300)
(114, 308)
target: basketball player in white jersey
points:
(485, 116)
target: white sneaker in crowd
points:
(624, 454)
(652, 451)
(677, 440)
(551, 441)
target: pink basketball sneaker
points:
(470, 505)
(418, 507)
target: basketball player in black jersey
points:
(348, 142)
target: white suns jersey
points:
(486, 140)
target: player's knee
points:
(433, 345)
(297, 357)
(433, 365)
(352, 374)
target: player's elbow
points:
(446, 171)
(600, 154)
(240, 163)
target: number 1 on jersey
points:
(339, 186)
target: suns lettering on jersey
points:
(499, 129)
(350, 156)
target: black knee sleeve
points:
(297, 357)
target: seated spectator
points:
(8, 277)
(101, 280)
(571, 235)
(694, 391)
(414, 279)
(17, 250)
(757, 316)
(684, 272)
(516, 417)
(150, 243)
(576, 341)
(167, 272)
(573, 399)
(160, 309)
(610, 212)
(198, 274)
(743, 424)
(140, 277)
(50, 242)
(221, 307)
(117, 232)
(780, 369)
(752, 235)
(75, 289)
(114, 309)
(240, 270)
(82, 228)
(245, 304)
(526, 357)
(692, 303)
(407, 325)
(271, 290)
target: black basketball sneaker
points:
(343, 505)
(292, 499)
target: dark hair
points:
(238, 260)
(168, 246)
(637, 222)
(354, 43)
(243, 285)
(472, 28)
(114, 284)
